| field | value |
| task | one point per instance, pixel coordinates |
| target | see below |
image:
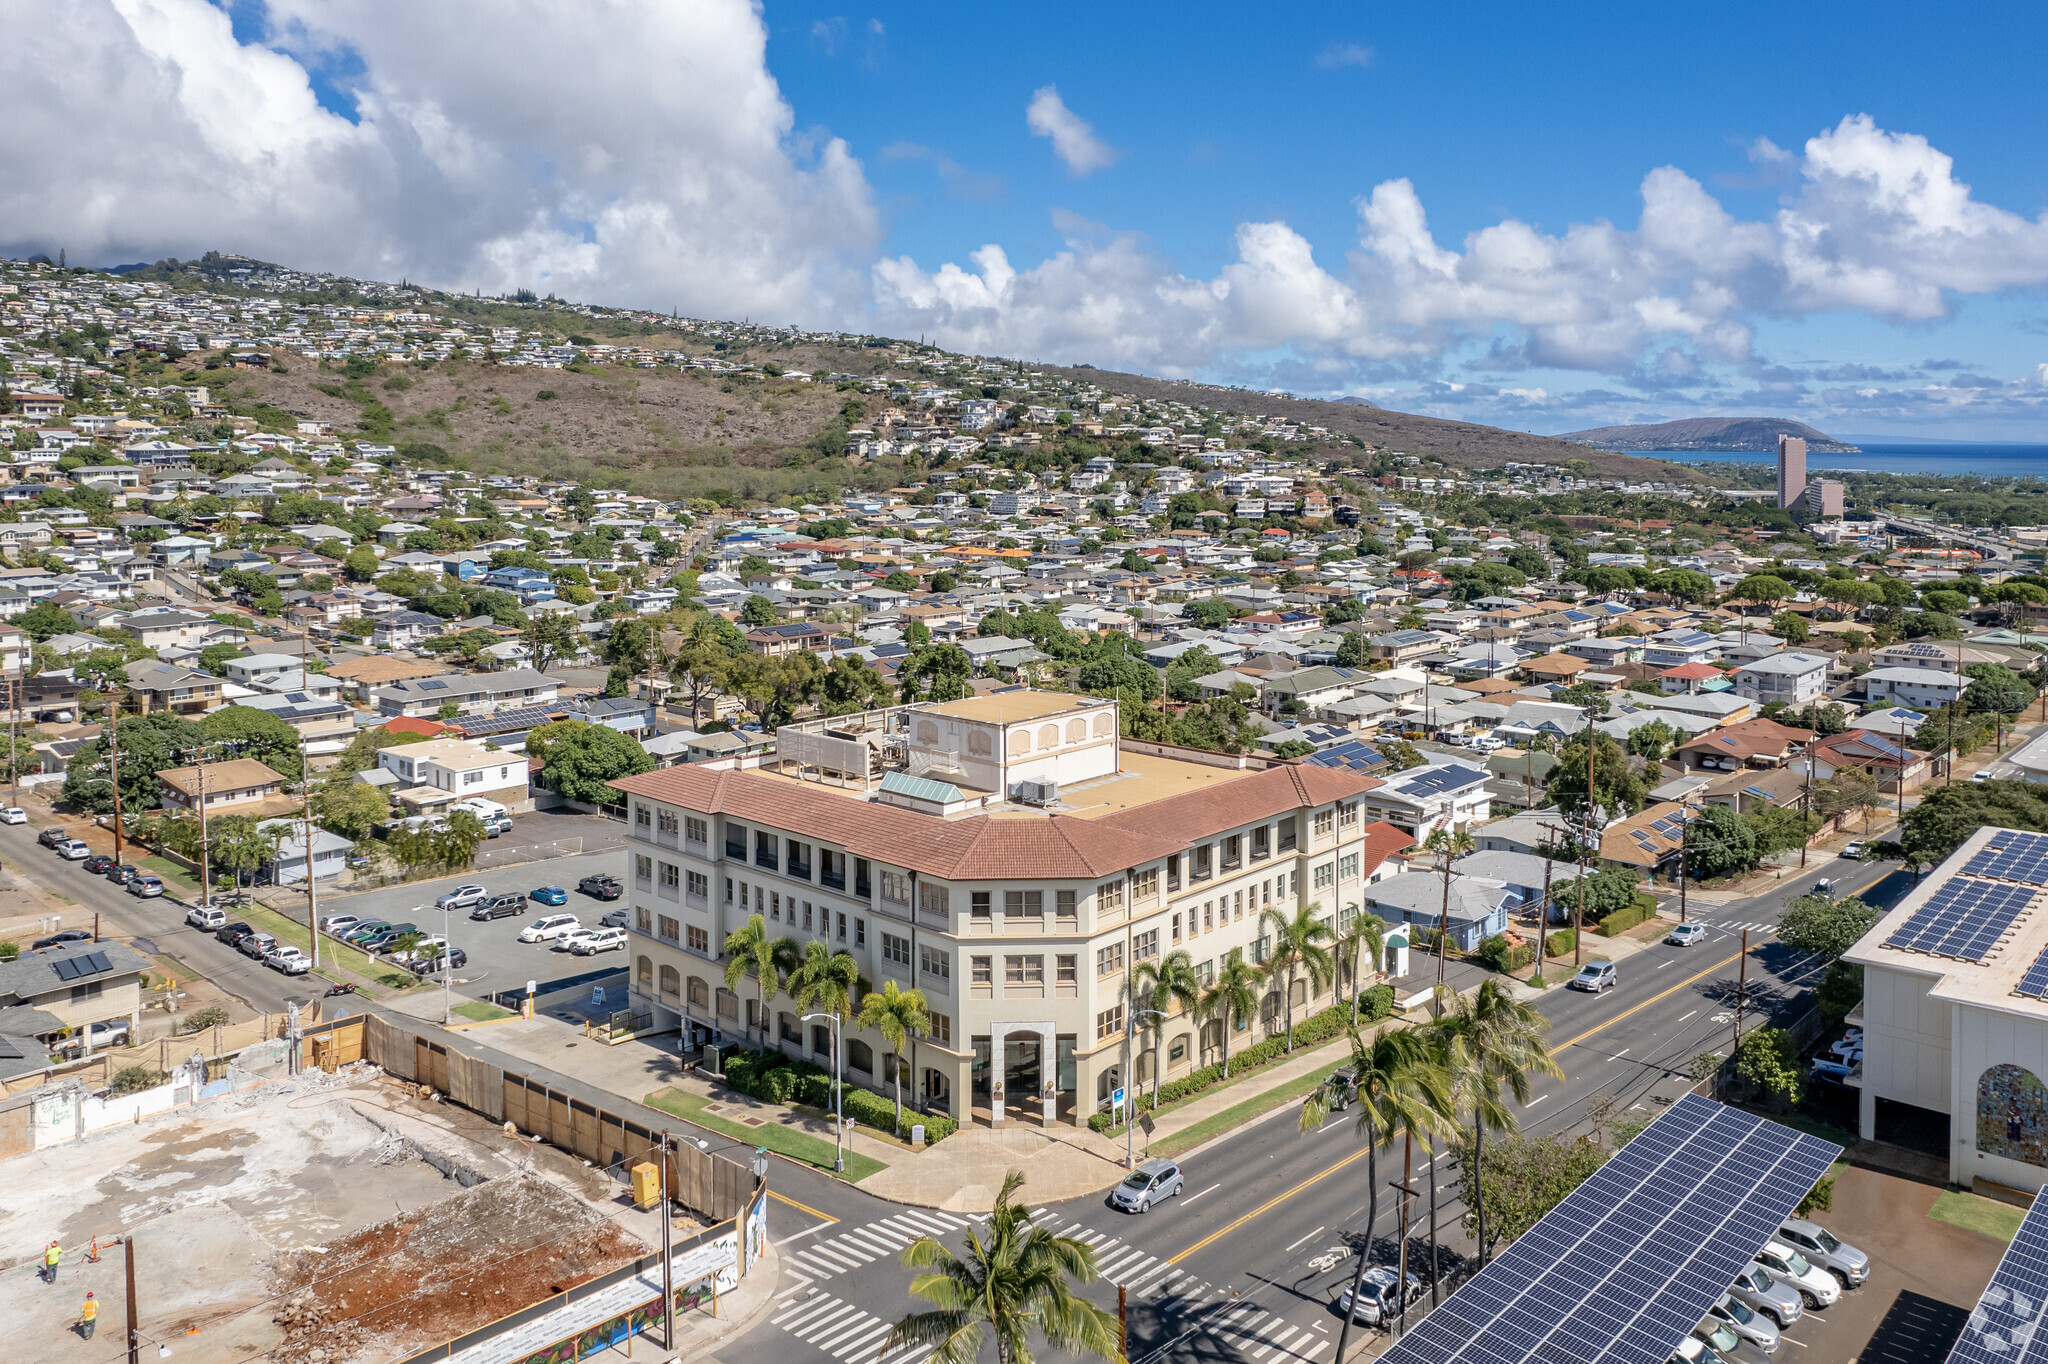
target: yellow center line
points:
(1280, 1198)
(826, 1218)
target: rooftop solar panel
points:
(2006, 1327)
(2035, 982)
(1624, 1268)
(1964, 919)
(2012, 856)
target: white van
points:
(548, 927)
(477, 805)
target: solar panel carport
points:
(1625, 1267)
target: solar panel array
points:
(2006, 1327)
(1355, 755)
(1625, 1267)
(77, 968)
(2012, 856)
(1964, 919)
(2035, 982)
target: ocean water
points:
(1941, 461)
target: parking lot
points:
(497, 959)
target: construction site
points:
(335, 1212)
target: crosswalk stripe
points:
(937, 1223)
(808, 1307)
(823, 1321)
(1312, 1351)
(862, 1325)
(1260, 1353)
(1126, 1266)
(882, 1243)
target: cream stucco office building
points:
(1955, 1036)
(1007, 855)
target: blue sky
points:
(1549, 218)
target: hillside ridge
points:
(1713, 433)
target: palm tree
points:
(1298, 946)
(1492, 1040)
(1235, 995)
(1448, 844)
(896, 1013)
(827, 980)
(1398, 1088)
(751, 947)
(1368, 935)
(1014, 1279)
(1172, 981)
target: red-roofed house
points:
(1685, 679)
(410, 724)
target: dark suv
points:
(500, 907)
(232, 934)
(602, 886)
(50, 838)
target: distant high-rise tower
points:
(1791, 470)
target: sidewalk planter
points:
(777, 1079)
(1374, 1004)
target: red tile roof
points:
(1382, 841)
(1200, 814)
(1687, 672)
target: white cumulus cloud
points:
(1073, 141)
(143, 128)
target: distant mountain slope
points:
(1463, 445)
(1712, 433)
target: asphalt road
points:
(1248, 1262)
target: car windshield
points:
(1721, 1338)
(1737, 1312)
(1826, 1241)
(1764, 1282)
(1137, 1181)
(1798, 1263)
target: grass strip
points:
(1243, 1077)
(1216, 1124)
(290, 930)
(172, 873)
(482, 1011)
(1974, 1212)
(801, 1146)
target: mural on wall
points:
(2012, 1115)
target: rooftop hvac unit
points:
(1038, 792)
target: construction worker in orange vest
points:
(88, 1316)
(51, 1255)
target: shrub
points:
(1622, 920)
(135, 1079)
(774, 1078)
(1561, 942)
(1496, 953)
(1768, 1062)
(213, 1016)
(9, 950)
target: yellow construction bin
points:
(646, 1184)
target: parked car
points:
(146, 886)
(77, 850)
(99, 864)
(424, 948)
(50, 838)
(599, 940)
(203, 918)
(549, 895)
(255, 945)
(337, 924)
(500, 907)
(59, 939)
(1818, 1245)
(1376, 1296)
(382, 939)
(1746, 1322)
(1852, 1040)
(462, 897)
(1595, 977)
(1981, 774)
(1816, 1287)
(1685, 935)
(13, 814)
(548, 927)
(457, 959)
(123, 872)
(1758, 1289)
(233, 933)
(1154, 1181)
(1693, 1350)
(1717, 1336)
(368, 929)
(1836, 1069)
(288, 959)
(1855, 850)
(602, 886)
(496, 825)
(93, 1037)
(614, 918)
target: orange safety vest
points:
(52, 1255)
(90, 1310)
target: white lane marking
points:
(1211, 1189)
(1688, 1015)
(1537, 1100)
(1618, 1055)
(1310, 1237)
(1672, 962)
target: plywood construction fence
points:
(713, 1187)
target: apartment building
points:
(1007, 855)
(1793, 678)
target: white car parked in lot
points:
(549, 927)
(13, 814)
(1816, 1286)
(597, 940)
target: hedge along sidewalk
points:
(778, 1134)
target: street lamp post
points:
(447, 963)
(838, 1122)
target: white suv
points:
(1816, 1286)
(548, 927)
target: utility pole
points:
(114, 766)
(1741, 989)
(205, 876)
(134, 1322)
(668, 1292)
(1806, 799)
(13, 732)
(1684, 829)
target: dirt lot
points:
(317, 1220)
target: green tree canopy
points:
(1995, 688)
(253, 733)
(1719, 843)
(1946, 815)
(579, 764)
(1825, 925)
(1620, 789)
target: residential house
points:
(239, 786)
(468, 693)
(155, 687)
(1923, 688)
(1793, 679)
(167, 628)
(1882, 758)
(1752, 743)
(440, 771)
